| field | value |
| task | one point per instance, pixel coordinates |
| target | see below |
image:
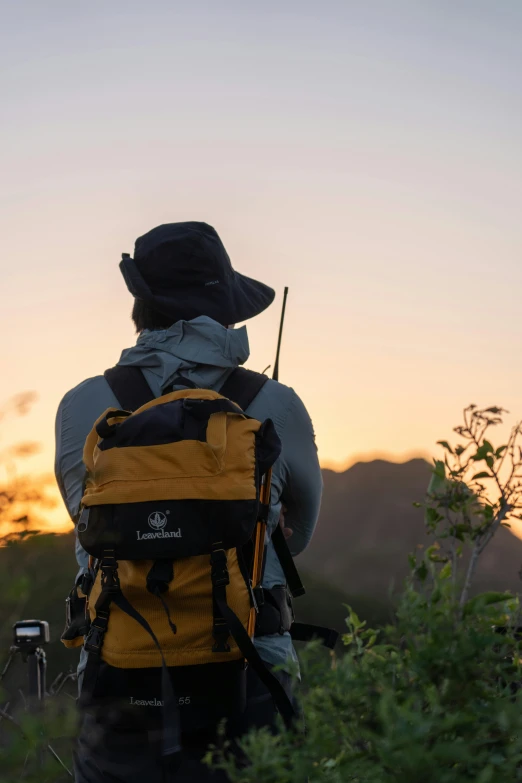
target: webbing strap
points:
(132, 390)
(238, 631)
(129, 386)
(158, 580)
(242, 386)
(304, 632)
(111, 593)
(171, 738)
(220, 580)
(291, 573)
(220, 577)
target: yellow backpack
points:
(173, 516)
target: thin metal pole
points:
(275, 375)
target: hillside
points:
(367, 527)
(368, 524)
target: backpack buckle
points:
(94, 641)
(110, 581)
(219, 573)
(220, 633)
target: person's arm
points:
(301, 474)
(69, 469)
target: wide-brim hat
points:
(183, 271)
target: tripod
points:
(33, 654)
(36, 669)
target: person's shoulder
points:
(279, 392)
(278, 402)
(89, 398)
(84, 390)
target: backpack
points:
(174, 516)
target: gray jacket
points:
(206, 353)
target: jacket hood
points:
(201, 350)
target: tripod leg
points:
(33, 667)
(42, 668)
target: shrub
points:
(435, 697)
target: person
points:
(187, 300)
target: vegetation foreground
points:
(432, 698)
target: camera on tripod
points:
(28, 635)
(29, 638)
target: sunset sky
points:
(366, 154)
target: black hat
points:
(183, 271)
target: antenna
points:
(275, 375)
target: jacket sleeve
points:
(69, 468)
(301, 474)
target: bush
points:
(433, 698)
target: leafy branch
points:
(476, 488)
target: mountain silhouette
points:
(368, 525)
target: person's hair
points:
(146, 317)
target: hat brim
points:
(230, 301)
(250, 298)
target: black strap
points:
(238, 631)
(104, 429)
(111, 593)
(158, 579)
(129, 386)
(276, 616)
(304, 632)
(94, 641)
(291, 573)
(220, 580)
(242, 386)
(171, 735)
(132, 390)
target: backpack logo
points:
(157, 520)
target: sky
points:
(366, 154)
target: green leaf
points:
(445, 444)
(481, 453)
(486, 599)
(488, 446)
(500, 451)
(422, 571)
(433, 516)
(482, 474)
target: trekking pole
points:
(259, 549)
(275, 375)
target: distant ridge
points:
(368, 524)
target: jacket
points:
(206, 353)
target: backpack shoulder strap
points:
(242, 386)
(284, 555)
(129, 386)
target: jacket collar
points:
(201, 350)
